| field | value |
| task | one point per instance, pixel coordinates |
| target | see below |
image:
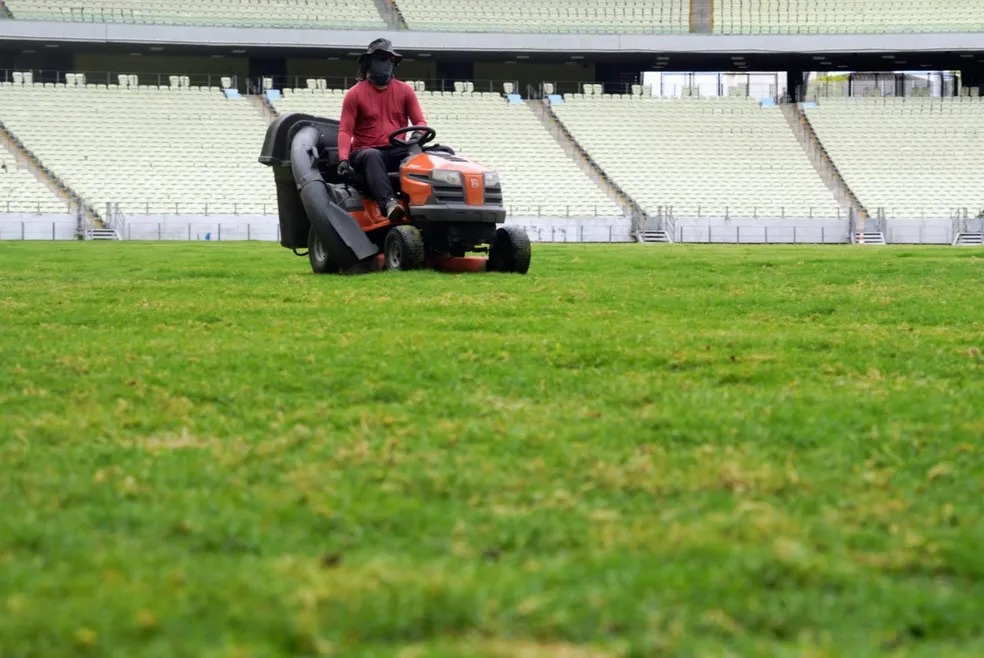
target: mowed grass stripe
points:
(632, 451)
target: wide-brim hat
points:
(376, 46)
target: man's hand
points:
(344, 169)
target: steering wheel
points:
(427, 135)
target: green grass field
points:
(205, 450)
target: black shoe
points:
(395, 211)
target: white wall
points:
(586, 229)
(212, 227)
(22, 226)
(762, 230)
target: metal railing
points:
(150, 16)
(761, 234)
(936, 84)
(674, 85)
(752, 212)
(38, 207)
(60, 77)
(314, 83)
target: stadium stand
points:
(546, 16)
(537, 176)
(911, 157)
(698, 156)
(21, 192)
(344, 14)
(173, 149)
(846, 16)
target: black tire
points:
(510, 252)
(321, 262)
(404, 248)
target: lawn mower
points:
(453, 206)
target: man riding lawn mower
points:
(350, 189)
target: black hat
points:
(377, 45)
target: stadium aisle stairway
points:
(912, 157)
(188, 150)
(21, 192)
(705, 156)
(342, 14)
(605, 16)
(538, 177)
(846, 16)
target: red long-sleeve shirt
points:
(369, 115)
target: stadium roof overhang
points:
(688, 52)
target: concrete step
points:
(656, 236)
(870, 237)
(969, 240)
(101, 234)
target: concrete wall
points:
(919, 231)
(540, 229)
(16, 226)
(212, 228)
(805, 230)
(164, 65)
(590, 229)
(763, 230)
(258, 227)
(340, 69)
(443, 42)
(532, 74)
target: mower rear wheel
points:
(510, 252)
(321, 262)
(404, 248)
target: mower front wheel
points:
(404, 248)
(321, 262)
(510, 252)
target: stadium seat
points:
(911, 157)
(349, 14)
(21, 192)
(538, 178)
(548, 16)
(846, 16)
(186, 150)
(699, 156)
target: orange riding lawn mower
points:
(453, 206)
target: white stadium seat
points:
(22, 192)
(150, 150)
(699, 156)
(349, 14)
(557, 16)
(846, 16)
(911, 157)
(538, 177)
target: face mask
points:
(380, 72)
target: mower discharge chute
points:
(454, 206)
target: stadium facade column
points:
(268, 67)
(973, 77)
(448, 71)
(618, 77)
(796, 85)
(47, 64)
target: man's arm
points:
(416, 114)
(350, 108)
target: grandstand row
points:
(181, 149)
(575, 16)
(825, 144)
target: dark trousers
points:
(374, 164)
